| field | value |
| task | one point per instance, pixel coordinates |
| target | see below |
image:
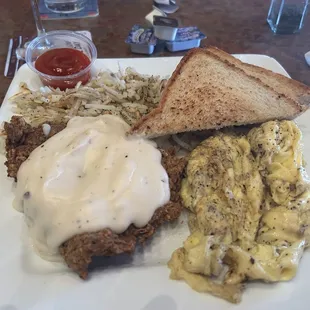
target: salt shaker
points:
(287, 16)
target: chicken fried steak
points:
(79, 250)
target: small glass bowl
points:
(61, 39)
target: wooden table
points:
(237, 26)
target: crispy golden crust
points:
(21, 140)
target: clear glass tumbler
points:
(287, 16)
(65, 6)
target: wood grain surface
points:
(237, 26)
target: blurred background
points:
(238, 26)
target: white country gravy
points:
(88, 177)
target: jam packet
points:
(185, 39)
(189, 33)
(141, 35)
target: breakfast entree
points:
(92, 181)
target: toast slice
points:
(211, 89)
(291, 88)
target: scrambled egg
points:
(250, 203)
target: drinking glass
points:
(287, 16)
(65, 6)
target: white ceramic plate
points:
(28, 282)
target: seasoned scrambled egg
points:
(250, 203)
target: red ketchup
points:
(63, 62)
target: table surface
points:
(237, 26)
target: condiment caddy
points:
(142, 40)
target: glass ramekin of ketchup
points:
(61, 58)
